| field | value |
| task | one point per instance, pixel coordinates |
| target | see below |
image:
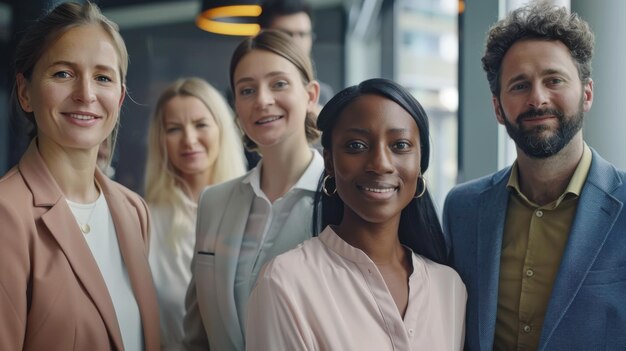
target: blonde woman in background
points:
(193, 143)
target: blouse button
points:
(539, 213)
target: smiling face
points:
(543, 100)
(75, 90)
(271, 99)
(375, 159)
(191, 136)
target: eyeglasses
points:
(299, 34)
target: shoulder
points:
(221, 190)
(446, 278)
(215, 198)
(15, 197)
(12, 186)
(478, 185)
(468, 191)
(124, 193)
(295, 265)
(605, 176)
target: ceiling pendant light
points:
(229, 17)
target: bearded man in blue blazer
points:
(541, 245)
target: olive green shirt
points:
(532, 246)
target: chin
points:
(379, 217)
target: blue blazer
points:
(587, 308)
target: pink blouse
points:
(328, 295)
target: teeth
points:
(267, 120)
(377, 190)
(81, 117)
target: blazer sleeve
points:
(144, 217)
(445, 223)
(14, 277)
(273, 320)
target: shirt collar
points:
(574, 186)
(342, 248)
(308, 180)
(336, 244)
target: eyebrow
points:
(364, 131)
(250, 79)
(193, 120)
(72, 64)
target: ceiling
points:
(138, 13)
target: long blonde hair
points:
(164, 184)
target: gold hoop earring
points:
(325, 190)
(417, 196)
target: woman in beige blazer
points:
(74, 273)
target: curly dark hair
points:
(538, 21)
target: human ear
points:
(313, 92)
(22, 92)
(123, 96)
(587, 95)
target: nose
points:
(84, 91)
(539, 96)
(379, 160)
(190, 136)
(264, 97)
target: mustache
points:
(537, 112)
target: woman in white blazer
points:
(245, 222)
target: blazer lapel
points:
(490, 228)
(60, 222)
(596, 213)
(230, 235)
(133, 251)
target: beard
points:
(538, 141)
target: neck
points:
(195, 183)
(72, 169)
(282, 167)
(544, 180)
(379, 241)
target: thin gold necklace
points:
(86, 228)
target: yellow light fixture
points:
(222, 17)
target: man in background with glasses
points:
(294, 17)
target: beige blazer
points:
(52, 295)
